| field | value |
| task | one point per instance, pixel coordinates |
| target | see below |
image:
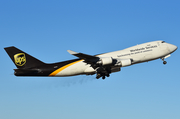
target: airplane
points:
(102, 65)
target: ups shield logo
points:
(20, 59)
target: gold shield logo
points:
(20, 59)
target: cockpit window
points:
(163, 42)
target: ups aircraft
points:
(102, 65)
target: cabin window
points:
(163, 42)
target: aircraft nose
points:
(172, 48)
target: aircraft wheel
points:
(103, 77)
(164, 62)
(98, 76)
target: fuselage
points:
(138, 54)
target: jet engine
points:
(122, 62)
(105, 61)
(116, 62)
(126, 62)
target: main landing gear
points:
(103, 72)
(103, 75)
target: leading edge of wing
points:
(82, 55)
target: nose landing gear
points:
(164, 62)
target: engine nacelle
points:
(126, 62)
(105, 61)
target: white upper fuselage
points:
(138, 54)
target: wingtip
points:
(72, 52)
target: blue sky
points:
(46, 29)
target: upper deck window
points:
(163, 42)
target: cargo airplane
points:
(102, 65)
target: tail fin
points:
(21, 59)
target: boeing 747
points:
(102, 65)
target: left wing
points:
(88, 58)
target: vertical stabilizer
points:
(21, 59)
